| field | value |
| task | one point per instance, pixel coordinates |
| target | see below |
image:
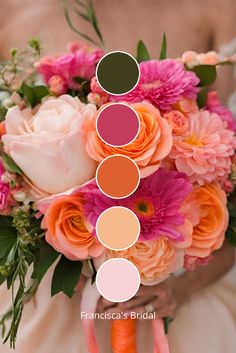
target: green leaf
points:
(47, 257)
(33, 95)
(163, 48)
(231, 236)
(78, 79)
(142, 52)
(202, 97)
(2, 279)
(8, 235)
(206, 74)
(66, 276)
(167, 321)
(3, 112)
(10, 165)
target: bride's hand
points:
(159, 299)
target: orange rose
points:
(209, 216)
(154, 259)
(66, 229)
(178, 121)
(153, 143)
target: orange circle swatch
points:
(117, 176)
(118, 228)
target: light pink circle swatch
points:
(118, 228)
(118, 280)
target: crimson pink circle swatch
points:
(118, 280)
(117, 124)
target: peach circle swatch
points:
(118, 228)
(118, 280)
(117, 176)
(117, 124)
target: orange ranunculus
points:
(66, 229)
(154, 259)
(209, 216)
(153, 143)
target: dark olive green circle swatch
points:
(117, 72)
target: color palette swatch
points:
(117, 72)
(117, 176)
(118, 124)
(118, 228)
(118, 280)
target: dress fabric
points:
(204, 324)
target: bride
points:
(202, 302)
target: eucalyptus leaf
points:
(10, 165)
(163, 52)
(206, 73)
(47, 257)
(66, 276)
(142, 52)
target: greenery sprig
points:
(85, 11)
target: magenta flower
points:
(80, 62)
(162, 83)
(4, 190)
(156, 203)
(214, 105)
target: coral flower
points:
(204, 151)
(156, 203)
(162, 83)
(209, 216)
(153, 143)
(66, 230)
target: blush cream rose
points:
(49, 144)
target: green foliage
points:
(163, 52)
(33, 95)
(206, 73)
(3, 112)
(10, 165)
(66, 276)
(85, 11)
(47, 256)
(202, 97)
(142, 52)
(167, 321)
(8, 235)
(231, 231)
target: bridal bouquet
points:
(50, 150)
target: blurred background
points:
(200, 25)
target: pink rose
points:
(49, 146)
(57, 85)
(80, 62)
(177, 121)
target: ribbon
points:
(123, 334)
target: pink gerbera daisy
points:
(162, 83)
(156, 203)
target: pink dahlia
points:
(79, 62)
(156, 203)
(163, 83)
(204, 151)
(215, 106)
